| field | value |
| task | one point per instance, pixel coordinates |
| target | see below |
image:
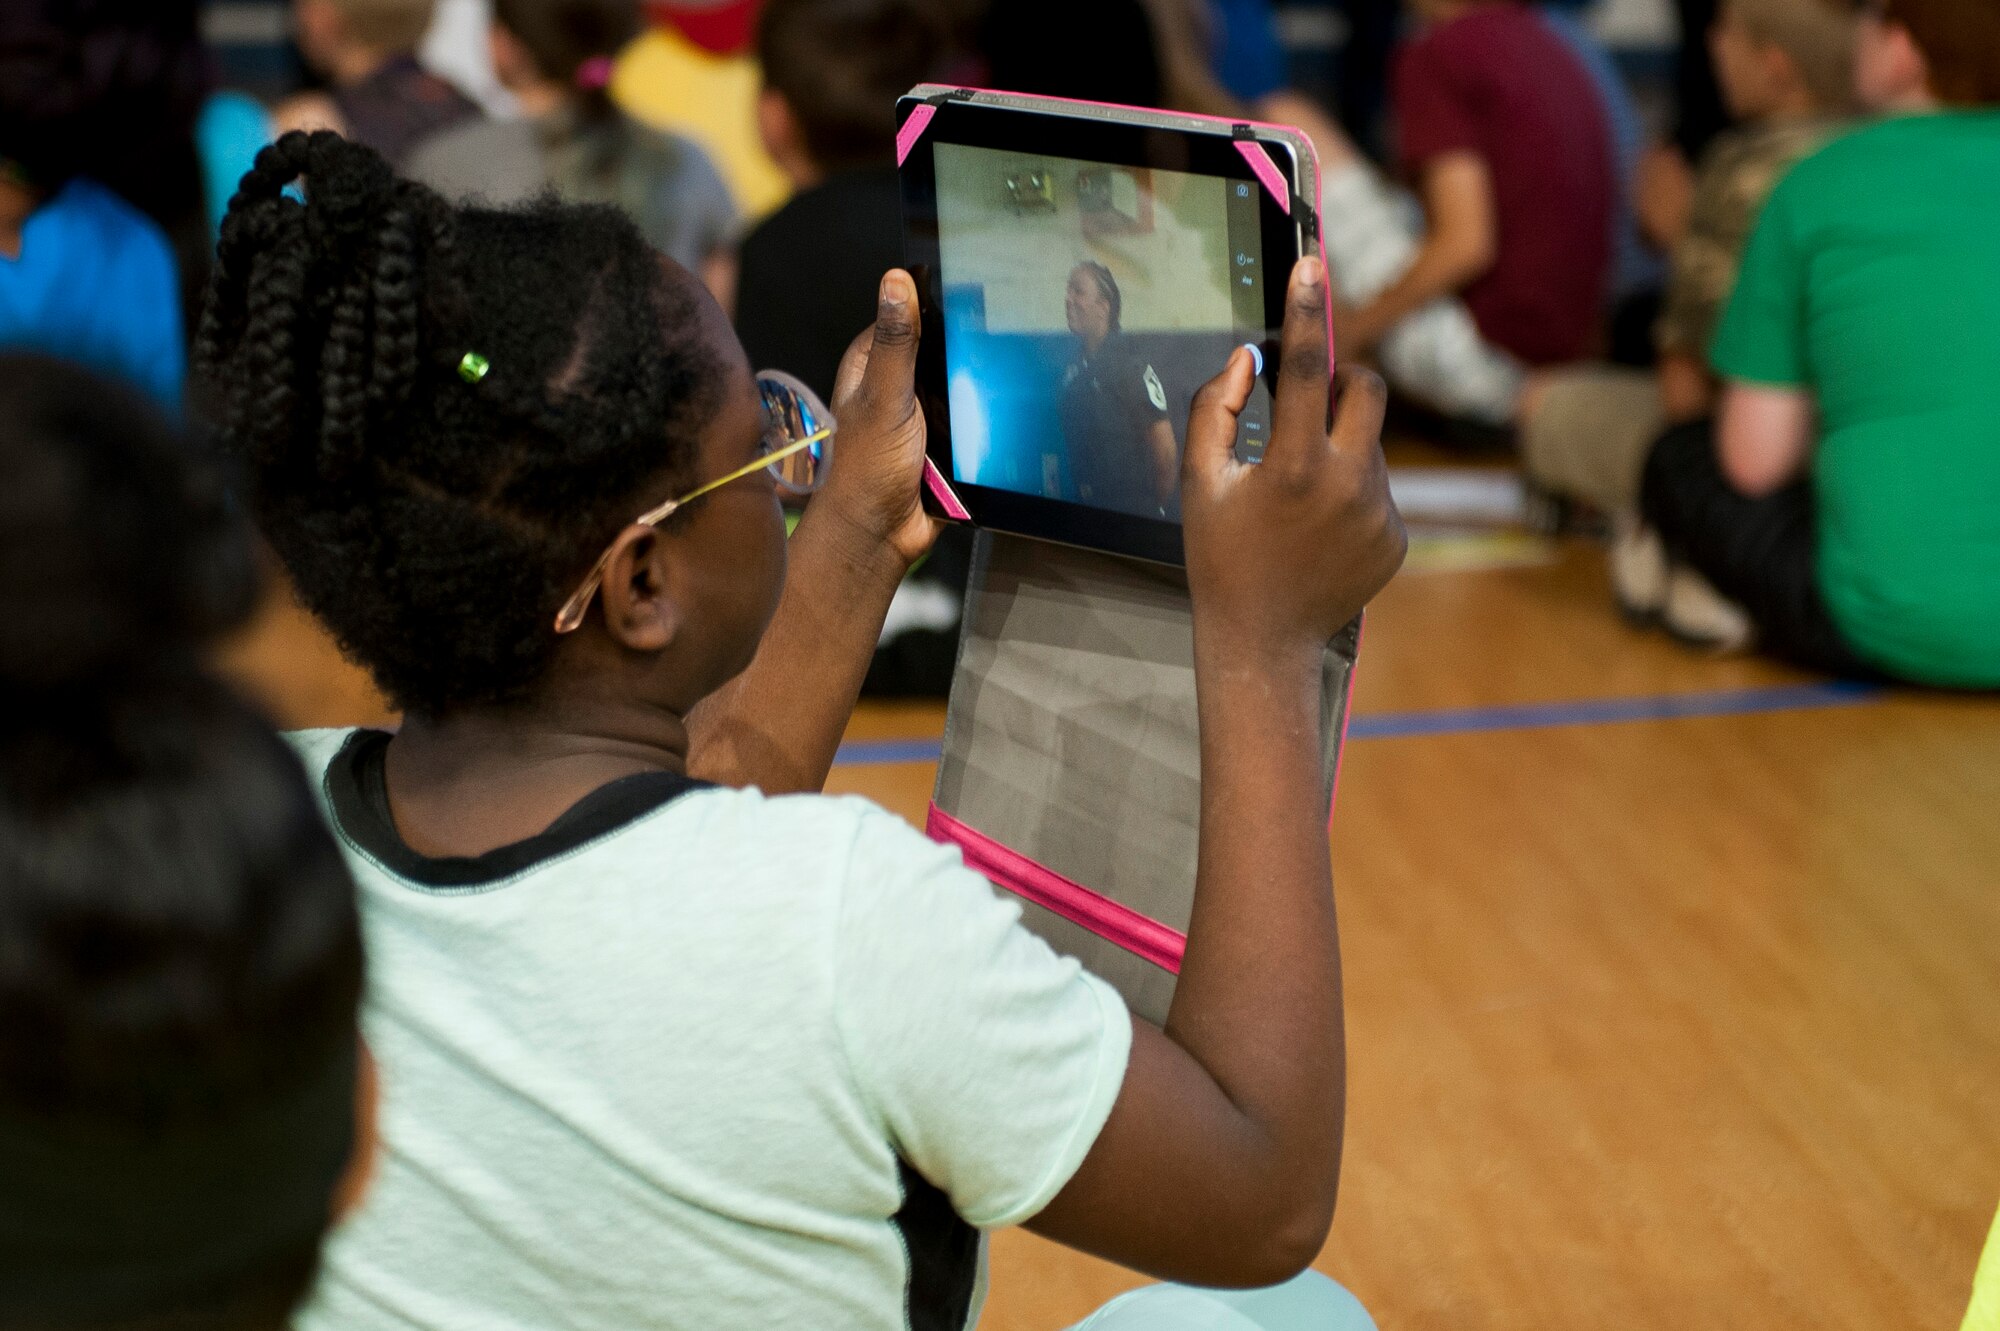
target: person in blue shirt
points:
(86, 277)
(104, 240)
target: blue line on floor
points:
(1605, 711)
(874, 752)
(1473, 720)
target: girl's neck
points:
(472, 781)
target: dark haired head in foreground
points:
(180, 954)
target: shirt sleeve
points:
(1763, 334)
(1433, 115)
(1704, 267)
(991, 1062)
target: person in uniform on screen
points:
(1122, 450)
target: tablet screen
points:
(1084, 303)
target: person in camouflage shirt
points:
(1786, 70)
(1737, 174)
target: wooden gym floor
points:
(1673, 984)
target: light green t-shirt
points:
(1873, 281)
(724, 1061)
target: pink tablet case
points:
(1071, 773)
(1246, 133)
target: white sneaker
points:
(1701, 616)
(1639, 569)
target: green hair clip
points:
(473, 367)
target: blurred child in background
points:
(1434, 356)
(381, 96)
(84, 273)
(134, 88)
(1845, 510)
(1787, 73)
(694, 72)
(182, 1110)
(833, 70)
(556, 58)
(1501, 132)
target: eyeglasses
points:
(798, 432)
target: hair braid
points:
(394, 372)
(433, 523)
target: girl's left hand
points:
(878, 455)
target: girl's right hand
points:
(1284, 552)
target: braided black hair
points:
(437, 524)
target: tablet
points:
(1083, 269)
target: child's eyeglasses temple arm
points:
(665, 510)
(571, 615)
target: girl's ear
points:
(640, 610)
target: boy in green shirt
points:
(1849, 500)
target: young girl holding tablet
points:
(658, 1052)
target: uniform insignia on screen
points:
(1156, 392)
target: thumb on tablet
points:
(892, 356)
(1211, 437)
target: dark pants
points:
(1760, 553)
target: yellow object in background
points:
(670, 83)
(1984, 1314)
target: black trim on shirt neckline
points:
(359, 796)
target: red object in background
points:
(724, 27)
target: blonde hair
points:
(1817, 36)
(395, 26)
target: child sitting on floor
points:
(1502, 132)
(367, 49)
(1786, 68)
(1432, 356)
(807, 274)
(661, 1052)
(84, 274)
(181, 1108)
(555, 57)
(833, 70)
(1846, 506)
